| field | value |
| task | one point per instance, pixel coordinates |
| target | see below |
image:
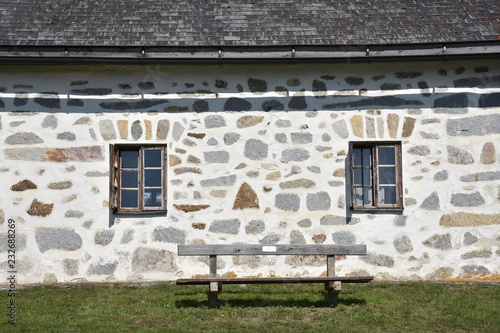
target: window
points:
(376, 182)
(138, 183)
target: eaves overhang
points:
(27, 54)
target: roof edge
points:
(219, 54)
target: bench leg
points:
(334, 288)
(215, 288)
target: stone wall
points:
(257, 154)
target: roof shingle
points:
(246, 23)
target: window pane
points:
(152, 158)
(367, 196)
(130, 179)
(362, 156)
(357, 156)
(367, 160)
(367, 177)
(362, 177)
(130, 159)
(386, 156)
(129, 199)
(358, 176)
(153, 197)
(387, 195)
(387, 175)
(152, 177)
(358, 196)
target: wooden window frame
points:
(376, 206)
(115, 179)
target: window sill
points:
(378, 209)
(134, 212)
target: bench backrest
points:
(258, 249)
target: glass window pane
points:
(387, 195)
(152, 177)
(358, 176)
(129, 199)
(387, 175)
(130, 159)
(152, 158)
(367, 177)
(153, 197)
(367, 196)
(130, 179)
(367, 161)
(358, 196)
(386, 156)
(357, 152)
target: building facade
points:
(105, 168)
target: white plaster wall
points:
(88, 195)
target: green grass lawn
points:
(374, 307)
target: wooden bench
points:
(332, 282)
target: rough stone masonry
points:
(256, 154)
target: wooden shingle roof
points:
(246, 23)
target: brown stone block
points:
(191, 208)
(39, 208)
(488, 154)
(24, 185)
(246, 198)
(408, 126)
(469, 219)
(78, 154)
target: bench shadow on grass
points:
(240, 300)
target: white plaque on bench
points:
(269, 249)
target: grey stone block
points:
(440, 242)
(403, 244)
(216, 156)
(231, 227)
(57, 238)
(104, 237)
(340, 127)
(431, 202)
(214, 121)
(474, 126)
(255, 149)
(102, 269)
(23, 138)
(378, 260)
(177, 131)
(137, 130)
(475, 269)
(220, 181)
(169, 235)
(459, 156)
(49, 122)
(231, 138)
(152, 260)
(107, 129)
(481, 176)
(287, 202)
(70, 266)
(318, 201)
(343, 238)
(467, 199)
(301, 138)
(296, 237)
(295, 155)
(469, 238)
(255, 227)
(441, 175)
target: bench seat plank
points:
(270, 280)
(253, 249)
